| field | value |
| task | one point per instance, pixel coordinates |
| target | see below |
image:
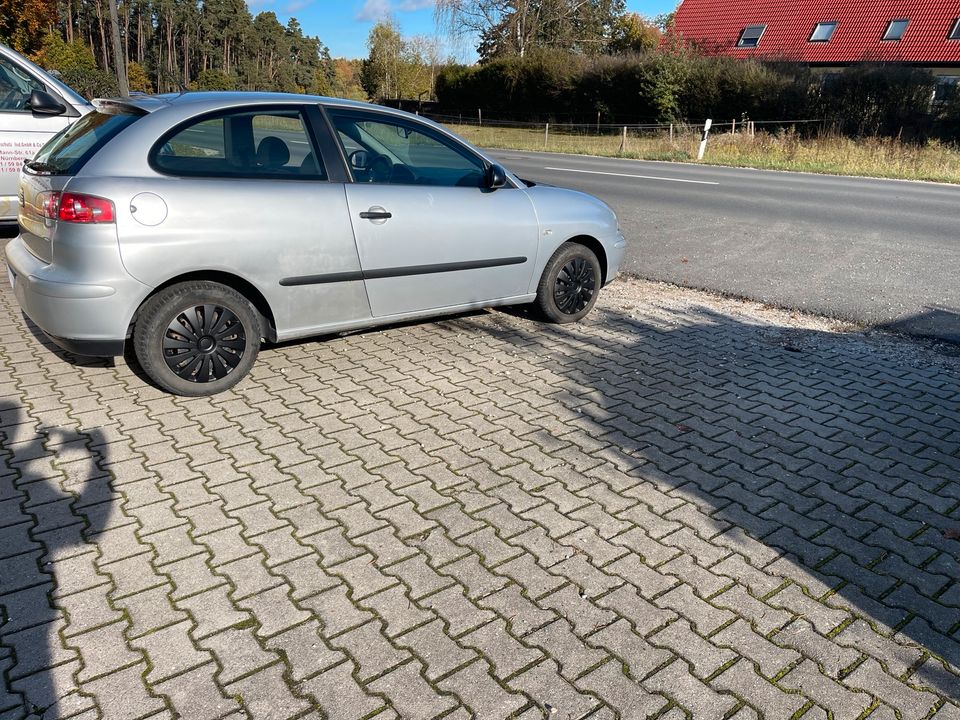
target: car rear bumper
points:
(82, 318)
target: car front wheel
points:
(197, 338)
(570, 283)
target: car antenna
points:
(176, 81)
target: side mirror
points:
(360, 160)
(43, 103)
(496, 177)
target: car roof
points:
(213, 99)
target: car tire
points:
(570, 284)
(197, 338)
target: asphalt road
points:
(879, 252)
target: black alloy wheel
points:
(575, 286)
(197, 337)
(570, 284)
(204, 343)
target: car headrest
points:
(272, 152)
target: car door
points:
(429, 232)
(21, 133)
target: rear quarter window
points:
(72, 147)
(254, 144)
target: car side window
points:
(15, 87)
(247, 144)
(387, 150)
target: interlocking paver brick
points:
(829, 694)
(411, 695)
(705, 617)
(705, 657)
(741, 680)
(482, 694)
(372, 652)
(398, 611)
(701, 700)
(559, 642)
(170, 651)
(302, 649)
(266, 694)
(123, 695)
(434, 647)
(503, 651)
(770, 658)
(238, 653)
(910, 703)
(194, 694)
(553, 695)
(481, 516)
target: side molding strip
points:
(377, 274)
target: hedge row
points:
(675, 87)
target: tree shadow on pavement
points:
(828, 460)
(55, 498)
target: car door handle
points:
(376, 215)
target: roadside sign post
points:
(703, 140)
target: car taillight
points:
(49, 203)
(77, 208)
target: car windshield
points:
(69, 149)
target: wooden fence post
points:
(623, 140)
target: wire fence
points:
(669, 139)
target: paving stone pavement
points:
(666, 511)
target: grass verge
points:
(827, 154)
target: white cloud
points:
(413, 5)
(293, 6)
(374, 10)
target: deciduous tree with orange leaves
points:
(24, 22)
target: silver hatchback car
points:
(197, 226)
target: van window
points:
(15, 87)
(69, 149)
(251, 144)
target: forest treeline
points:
(173, 45)
(539, 60)
(679, 84)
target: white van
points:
(34, 106)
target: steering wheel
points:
(10, 100)
(381, 169)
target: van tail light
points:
(76, 208)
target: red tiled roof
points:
(717, 24)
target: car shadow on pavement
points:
(935, 322)
(76, 360)
(828, 460)
(55, 500)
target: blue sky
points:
(344, 24)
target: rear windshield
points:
(69, 149)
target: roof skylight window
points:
(823, 32)
(896, 29)
(750, 37)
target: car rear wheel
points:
(197, 338)
(570, 283)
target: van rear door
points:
(23, 133)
